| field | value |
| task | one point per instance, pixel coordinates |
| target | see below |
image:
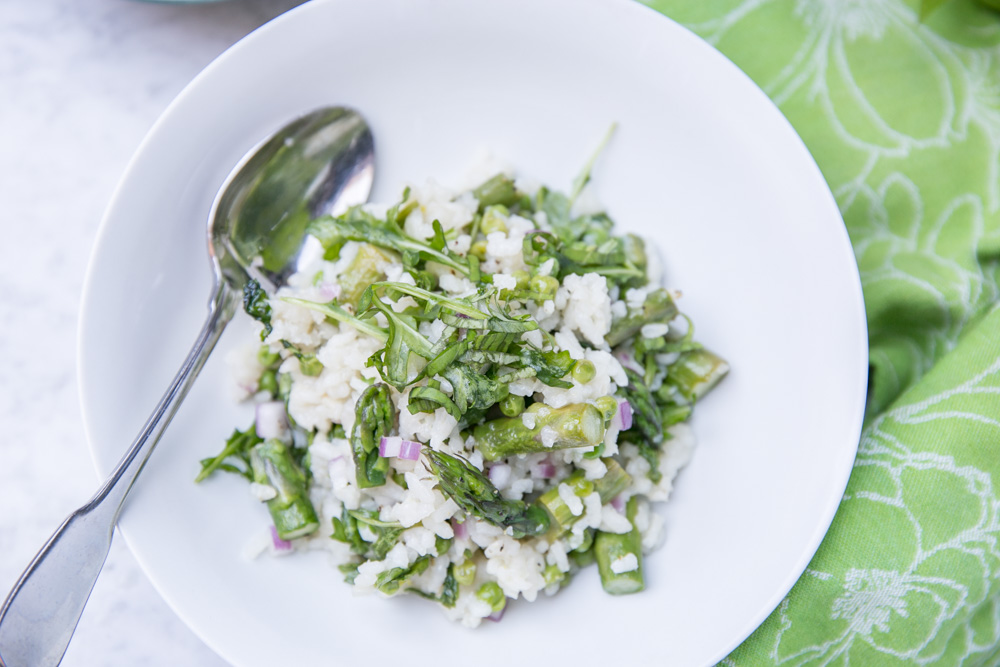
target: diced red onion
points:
(625, 414)
(270, 419)
(497, 616)
(500, 474)
(626, 360)
(389, 446)
(409, 450)
(328, 291)
(279, 544)
(618, 503)
(546, 469)
(461, 530)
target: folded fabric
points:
(903, 118)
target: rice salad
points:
(470, 394)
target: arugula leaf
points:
(375, 416)
(386, 532)
(345, 529)
(390, 581)
(333, 233)
(549, 367)
(584, 176)
(238, 447)
(256, 306)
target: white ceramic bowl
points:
(702, 163)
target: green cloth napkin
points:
(903, 118)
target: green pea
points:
(478, 249)
(465, 572)
(266, 358)
(492, 594)
(494, 220)
(584, 371)
(268, 382)
(543, 284)
(512, 405)
(310, 365)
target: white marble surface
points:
(80, 84)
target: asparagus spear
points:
(615, 481)
(658, 307)
(616, 552)
(696, 373)
(375, 417)
(291, 511)
(647, 420)
(474, 493)
(574, 425)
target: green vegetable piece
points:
(478, 249)
(574, 425)
(465, 572)
(584, 371)
(512, 405)
(375, 417)
(553, 575)
(609, 548)
(338, 314)
(696, 373)
(367, 267)
(659, 307)
(614, 481)
(291, 510)
(588, 542)
(544, 286)
(584, 176)
(608, 405)
(647, 421)
(494, 219)
(333, 233)
(552, 501)
(256, 305)
(449, 589)
(499, 190)
(350, 571)
(386, 533)
(266, 358)
(548, 367)
(474, 493)
(268, 382)
(345, 529)
(310, 365)
(492, 594)
(635, 250)
(238, 446)
(675, 414)
(390, 581)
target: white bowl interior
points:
(702, 163)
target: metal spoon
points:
(320, 163)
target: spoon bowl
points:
(319, 163)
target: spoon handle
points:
(40, 615)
